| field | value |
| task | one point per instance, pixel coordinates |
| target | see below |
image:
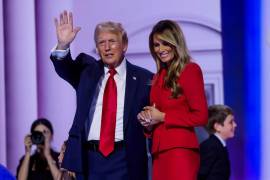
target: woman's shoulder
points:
(192, 66)
(190, 69)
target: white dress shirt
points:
(120, 79)
(221, 140)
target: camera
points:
(37, 137)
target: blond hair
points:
(113, 27)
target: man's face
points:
(226, 130)
(111, 48)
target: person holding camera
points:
(43, 163)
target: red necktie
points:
(108, 118)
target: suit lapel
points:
(94, 74)
(131, 86)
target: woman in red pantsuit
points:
(178, 105)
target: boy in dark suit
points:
(215, 163)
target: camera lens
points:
(37, 137)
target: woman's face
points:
(163, 49)
(46, 131)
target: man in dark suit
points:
(215, 163)
(110, 93)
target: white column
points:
(2, 92)
(21, 82)
(56, 98)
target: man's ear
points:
(217, 127)
(96, 50)
(125, 47)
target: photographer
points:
(42, 164)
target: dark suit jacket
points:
(84, 74)
(215, 163)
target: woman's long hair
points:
(170, 32)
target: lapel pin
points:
(134, 78)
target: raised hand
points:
(64, 30)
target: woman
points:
(43, 163)
(178, 105)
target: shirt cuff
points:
(59, 54)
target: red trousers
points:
(176, 164)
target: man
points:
(106, 140)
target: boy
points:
(215, 162)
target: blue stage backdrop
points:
(241, 26)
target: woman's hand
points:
(144, 118)
(150, 116)
(28, 144)
(24, 168)
(156, 115)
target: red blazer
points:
(181, 114)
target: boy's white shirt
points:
(223, 142)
